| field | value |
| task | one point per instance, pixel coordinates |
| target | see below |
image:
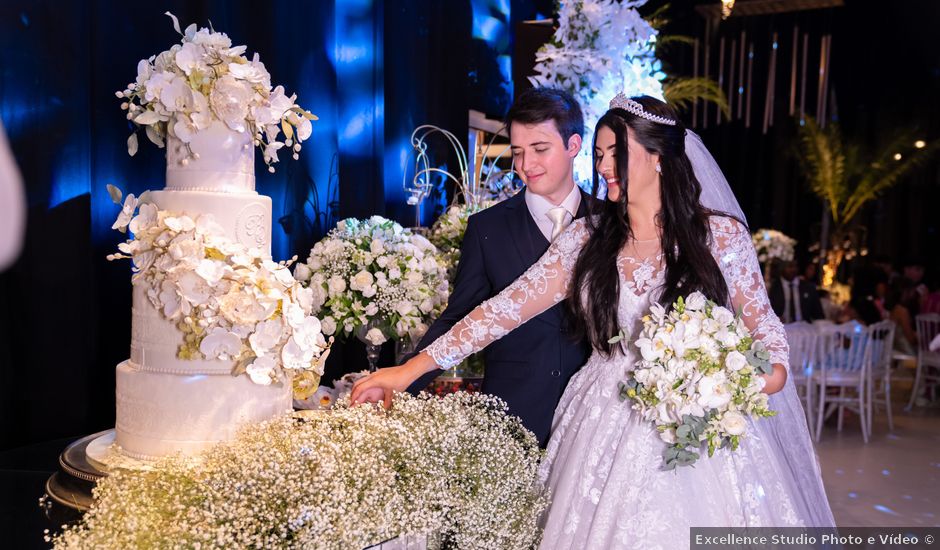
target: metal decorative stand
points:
(372, 350)
(71, 486)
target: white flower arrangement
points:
(324, 397)
(458, 467)
(601, 47)
(448, 231)
(698, 379)
(204, 78)
(230, 302)
(375, 272)
(771, 244)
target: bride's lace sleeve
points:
(734, 251)
(542, 286)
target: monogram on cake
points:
(220, 333)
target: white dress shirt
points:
(539, 206)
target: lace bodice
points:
(641, 273)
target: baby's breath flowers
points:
(458, 469)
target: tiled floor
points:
(894, 480)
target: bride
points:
(670, 226)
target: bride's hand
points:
(383, 383)
(775, 381)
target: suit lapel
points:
(529, 244)
(583, 208)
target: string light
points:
(897, 156)
(920, 144)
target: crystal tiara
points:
(621, 101)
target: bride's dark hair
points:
(683, 221)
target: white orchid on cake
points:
(374, 271)
(183, 90)
(231, 302)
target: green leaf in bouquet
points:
(680, 305)
(628, 389)
(735, 441)
(683, 432)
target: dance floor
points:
(894, 480)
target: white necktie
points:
(558, 216)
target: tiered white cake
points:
(165, 404)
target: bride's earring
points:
(659, 168)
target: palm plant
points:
(683, 92)
(846, 178)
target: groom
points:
(530, 367)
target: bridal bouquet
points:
(374, 272)
(204, 78)
(230, 302)
(771, 244)
(698, 378)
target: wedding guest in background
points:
(931, 302)
(794, 299)
(869, 287)
(884, 263)
(810, 272)
(903, 304)
(914, 271)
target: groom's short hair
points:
(537, 105)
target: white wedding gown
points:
(603, 464)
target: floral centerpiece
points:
(374, 272)
(600, 47)
(204, 78)
(698, 378)
(458, 467)
(230, 302)
(773, 245)
(448, 230)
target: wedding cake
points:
(220, 333)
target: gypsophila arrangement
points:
(204, 78)
(771, 244)
(698, 379)
(458, 467)
(230, 302)
(600, 47)
(375, 271)
(448, 230)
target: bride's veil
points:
(788, 428)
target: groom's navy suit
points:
(530, 367)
